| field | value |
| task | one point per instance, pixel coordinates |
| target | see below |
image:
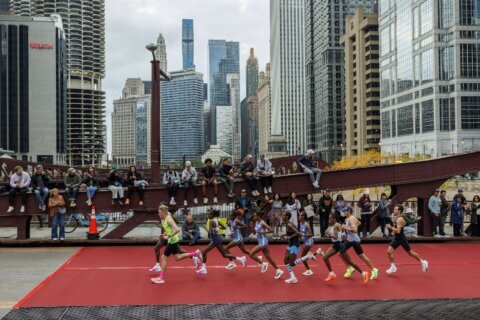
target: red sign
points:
(41, 46)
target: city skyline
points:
(137, 24)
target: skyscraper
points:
(252, 74)
(182, 117)
(324, 67)
(33, 88)
(225, 117)
(362, 83)
(233, 82)
(223, 58)
(4, 6)
(264, 110)
(249, 129)
(287, 47)
(430, 77)
(84, 23)
(188, 44)
(161, 53)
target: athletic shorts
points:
(293, 249)
(308, 242)
(338, 246)
(162, 242)
(356, 246)
(217, 240)
(172, 248)
(401, 241)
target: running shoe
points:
(424, 265)
(157, 280)
(198, 254)
(291, 280)
(202, 270)
(319, 252)
(278, 274)
(308, 273)
(230, 265)
(374, 274)
(349, 272)
(393, 269)
(196, 262)
(365, 277)
(311, 256)
(243, 261)
(264, 267)
(331, 276)
(155, 269)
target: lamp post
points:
(155, 122)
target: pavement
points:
(21, 269)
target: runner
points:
(307, 237)
(261, 230)
(335, 232)
(237, 241)
(353, 240)
(170, 234)
(293, 248)
(216, 242)
(400, 239)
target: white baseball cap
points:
(188, 164)
(409, 210)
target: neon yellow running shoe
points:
(349, 272)
(374, 274)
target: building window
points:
(447, 114)
(470, 60)
(469, 12)
(471, 112)
(386, 125)
(428, 123)
(445, 14)
(417, 118)
(447, 63)
(405, 121)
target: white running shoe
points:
(22, 209)
(185, 203)
(265, 190)
(319, 252)
(278, 274)
(308, 273)
(231, 265)
(393, 269)
(243, 261)
(172, 202)
(311, 256)
(196, 262)
(202, 270)
(424, 265)
(264, 267)
(155, 269)
(157, 280)
(10, 209)
(270, 190)
(55, 239)
(291, 280)
(215, 200)
(199, 255)
(315, 185)
(205, 200)
(195, 200)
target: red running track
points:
(106, 276)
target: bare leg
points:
(209, 248)
(326, 258)
(266, 252)
(415, 255)
(366, 260)
(231, 245)
(304, 252)
(157, 248)
(225, 254)
(349, 262)
(390, 252)
(164, 263)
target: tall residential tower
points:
(188, 44)
(252, 74)
(161, 53)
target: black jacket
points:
(112, 178)
(225, 170)
(36, 178)
(91, 180)
(130, 181)
(326, 203)
(238, 203)
(247, 167)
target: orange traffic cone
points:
(92, 233)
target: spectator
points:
(209, 179)
(136, 182)
(464, 204)
(293, 206)
(245, 203)
(339, 205)
(227, 176)
(434, 207)
(39, 186)
(325, 206)
(475, 218)
(444, 207)
(366, 213)
(190, 230)
(247, 169)
(411, 223)
(72, 183)
(311, 210)
(457, 217)
(189, 179)
(307, 162)
(91, 182)
(276, 215)
(115, 185)
(171, 181)
(265, 174)
(19, 183)
(57, 213)
(383, 214)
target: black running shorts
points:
(400, 241)
(172, 248)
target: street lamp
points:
(155, 122)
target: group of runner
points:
(297, 238)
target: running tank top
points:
(303, 229)
(237, 235)
(261, 238)
(339, 234)
(214, 230)
(169, 231)
(351, 236)
(401, 234)
(292, 242)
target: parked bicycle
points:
(75, 220)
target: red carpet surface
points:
(107, 276)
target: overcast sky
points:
(131, 24)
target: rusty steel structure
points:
(407, 180)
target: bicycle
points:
(74, 220)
